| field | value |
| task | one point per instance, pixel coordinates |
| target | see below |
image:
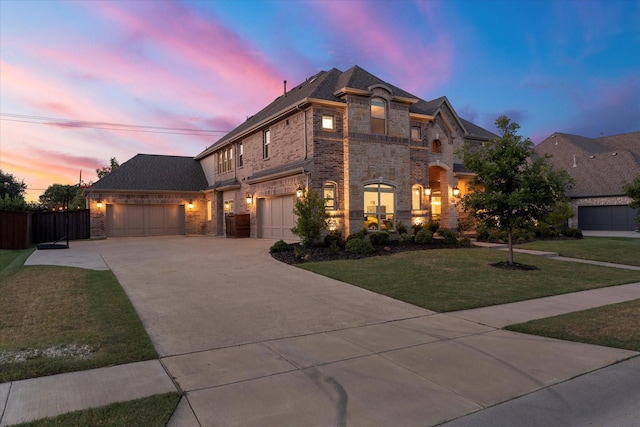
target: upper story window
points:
(266, 141)
(329, 194)
(225, 160)
(416, 133)
(328, 122)
(240, 155)
(436, 146)
(378, 116)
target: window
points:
(228, 206)
(225, 160)
(378, 116)
(328, 122)
(379, 202)
(240, 155)
(416, 133)
(266, 140)
(209, 210)
(436, 146)
(416, 197)
(329, 194)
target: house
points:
(600, 168)
(377, 154)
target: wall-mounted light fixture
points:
(190, 204)
(427, 191)
(455, 191)
(249, 197)
(99, 203)
(299, 192)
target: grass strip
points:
(47, 307)
(614, 325)
(619, 250)
(457, 279)
(153, 411)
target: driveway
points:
(255, 342)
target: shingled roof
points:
(600, 166)
(326, 85)
(155, 172)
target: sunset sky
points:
(83, 81)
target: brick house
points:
(600, 167)
(377, 154)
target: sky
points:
(84, 81)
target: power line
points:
(53, 121)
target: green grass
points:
(456, 279)
(153, 411)
(12, 260)
(614, 325)
(618, 250)
(47, 306)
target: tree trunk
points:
(510, 234)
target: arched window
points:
(329, 195)
(379, 205)
(378, 116)
(416, 197)
(436, 146)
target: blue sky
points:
(72, 73)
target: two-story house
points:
(377, 154)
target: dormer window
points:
(378, 116)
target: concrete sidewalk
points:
(337, 355)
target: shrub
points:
(279, 246)
(311, 218)
(449, 237)
(433, 226)
(334, 247)
(424, 237)
(332, 238)
(576, 233)
(401, 228)
(404, 237)
(417, 227)
(362, 234)
(379, 238)
(465, 224)
(359, 246)
(482, 232)
(544, 230)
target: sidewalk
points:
(459, 363)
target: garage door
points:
(145, 220)
(276, 218)
(616, 218)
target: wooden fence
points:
(19, 230)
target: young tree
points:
(312, 217)
(9, 185)
(54, 197)
(113, 165)
(511, 188)
(632, 190)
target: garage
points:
(276, 218)
(611, 218)
(145, 220)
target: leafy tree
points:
(9, 185)
(559, 215)
(312, 217)
(632, 190)
(108, 169)
(54, 197)
(511, 188)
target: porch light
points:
(456, 191)
(249, 197)
(427, 191)
(299, 192)
(190, 204)
(99, 204)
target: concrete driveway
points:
(254, 342)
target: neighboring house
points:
(600, 167)
(377, 154)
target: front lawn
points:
(457, 279)
(62, 319)
(618, 250)
(614, 325)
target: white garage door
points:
(277, 218)
(145, 220)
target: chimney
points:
(285, 88)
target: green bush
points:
(359, 246)
(424, 237)
(544, 230)
(379, 238)
(433, 226)
(449, 237)
(362, 234)
(401, 228)
(332, 238)
(482, 232)
(279, 246)
(417, 227)
(576, 233)
(404, 237)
